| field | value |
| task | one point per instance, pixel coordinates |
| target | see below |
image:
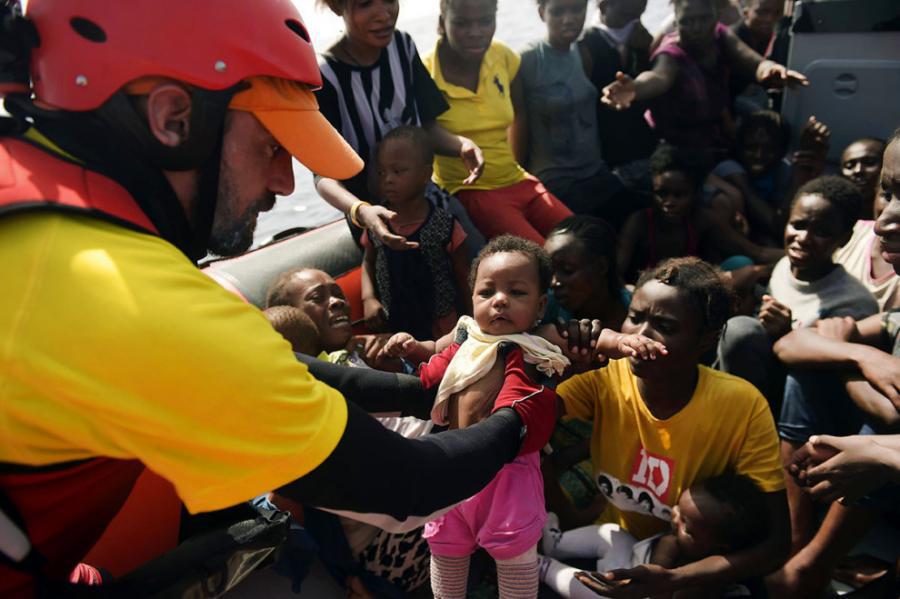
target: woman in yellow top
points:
(478, 78)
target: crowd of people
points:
(622, 155)
(607, 228)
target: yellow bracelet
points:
(354, 212)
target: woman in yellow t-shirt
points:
(478, 79)
(659, 426)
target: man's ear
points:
(169, 113)
(541, 13)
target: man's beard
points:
(232, 233)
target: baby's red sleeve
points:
(432, 371)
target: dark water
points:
(517, 24)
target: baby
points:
(719, 515)
(509, 282)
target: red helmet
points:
(89, 48)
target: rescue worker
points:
(143, 134)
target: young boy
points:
(296, 327)
(806, 285)
(718, 515)
(419, 290)
(861, 164)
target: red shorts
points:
(525, 209)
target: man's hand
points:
(882, 370)
(775, 317)
(854, 466)
(471, 155)
(581, 335)
(620, 93)
(375, 219)
(773, 75)
(642, 581)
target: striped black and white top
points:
(364, 103)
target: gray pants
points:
(745, 350)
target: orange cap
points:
(291, 114)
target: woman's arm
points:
(622, 92)
(450, 144)
(751, 64)
(809, 348)
(373, 218)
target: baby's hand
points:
(399, 345)
(639, 346)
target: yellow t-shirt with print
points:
(642, 464)
(483, 117)
(113, 344)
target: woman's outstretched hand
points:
(375, 219)
(773, 75)
(620, 93)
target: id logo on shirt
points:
(653, 472)
(647, 489)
